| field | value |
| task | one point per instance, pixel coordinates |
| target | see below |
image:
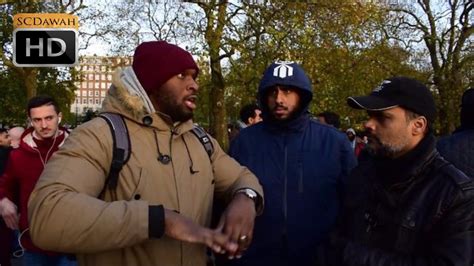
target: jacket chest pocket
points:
(408, 232)
(392, 228)
(130, 186)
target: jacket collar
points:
(297, 124)
(27, 142)
(399, 171)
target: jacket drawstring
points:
(191, 167)
(162, 158)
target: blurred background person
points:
(15, 135)
(250, 114)
(458, 148)
(6, 235)
(329, 118)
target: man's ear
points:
(420, 125)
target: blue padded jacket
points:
(302, 166)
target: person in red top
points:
(38, 143)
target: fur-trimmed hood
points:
(126, 96)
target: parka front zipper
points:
(285, 193)
(176, 188)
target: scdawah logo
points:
(45, 20)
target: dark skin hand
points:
(182, 228)
(237, 223)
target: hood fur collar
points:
(127, 96)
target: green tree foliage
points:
(340, 44)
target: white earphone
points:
(59, 120)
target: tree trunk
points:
(446, 110)
(31, 84)
(216, 19)
(449, 87)
(218, 125)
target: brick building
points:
(96, 79)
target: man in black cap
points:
(405, 204)
(459, 147)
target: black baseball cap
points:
(403, 92)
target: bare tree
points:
(445, 28)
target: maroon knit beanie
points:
(156, 62)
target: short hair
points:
(40, 101)
(331, 118)
(248, 111)
(3, 130)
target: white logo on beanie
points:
(380, 87)
(283, 69)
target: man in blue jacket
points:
(301, 164)
(458, 148)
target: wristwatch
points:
(250, 193)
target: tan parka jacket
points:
(67, 216)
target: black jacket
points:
(417, 210)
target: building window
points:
(84, 93)
(91, 77)
(102, 93)
(78, 101)
(97, 101)
(90, 101)
(90, 94)
(96, 94)
(97, 85)
(84, 101)
(102, 76)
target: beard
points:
(291, 115)
(376, 148)
(169, 105)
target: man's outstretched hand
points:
(182, 228)
(237, 223)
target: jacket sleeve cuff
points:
(156, 221)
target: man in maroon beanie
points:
(160, 211)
